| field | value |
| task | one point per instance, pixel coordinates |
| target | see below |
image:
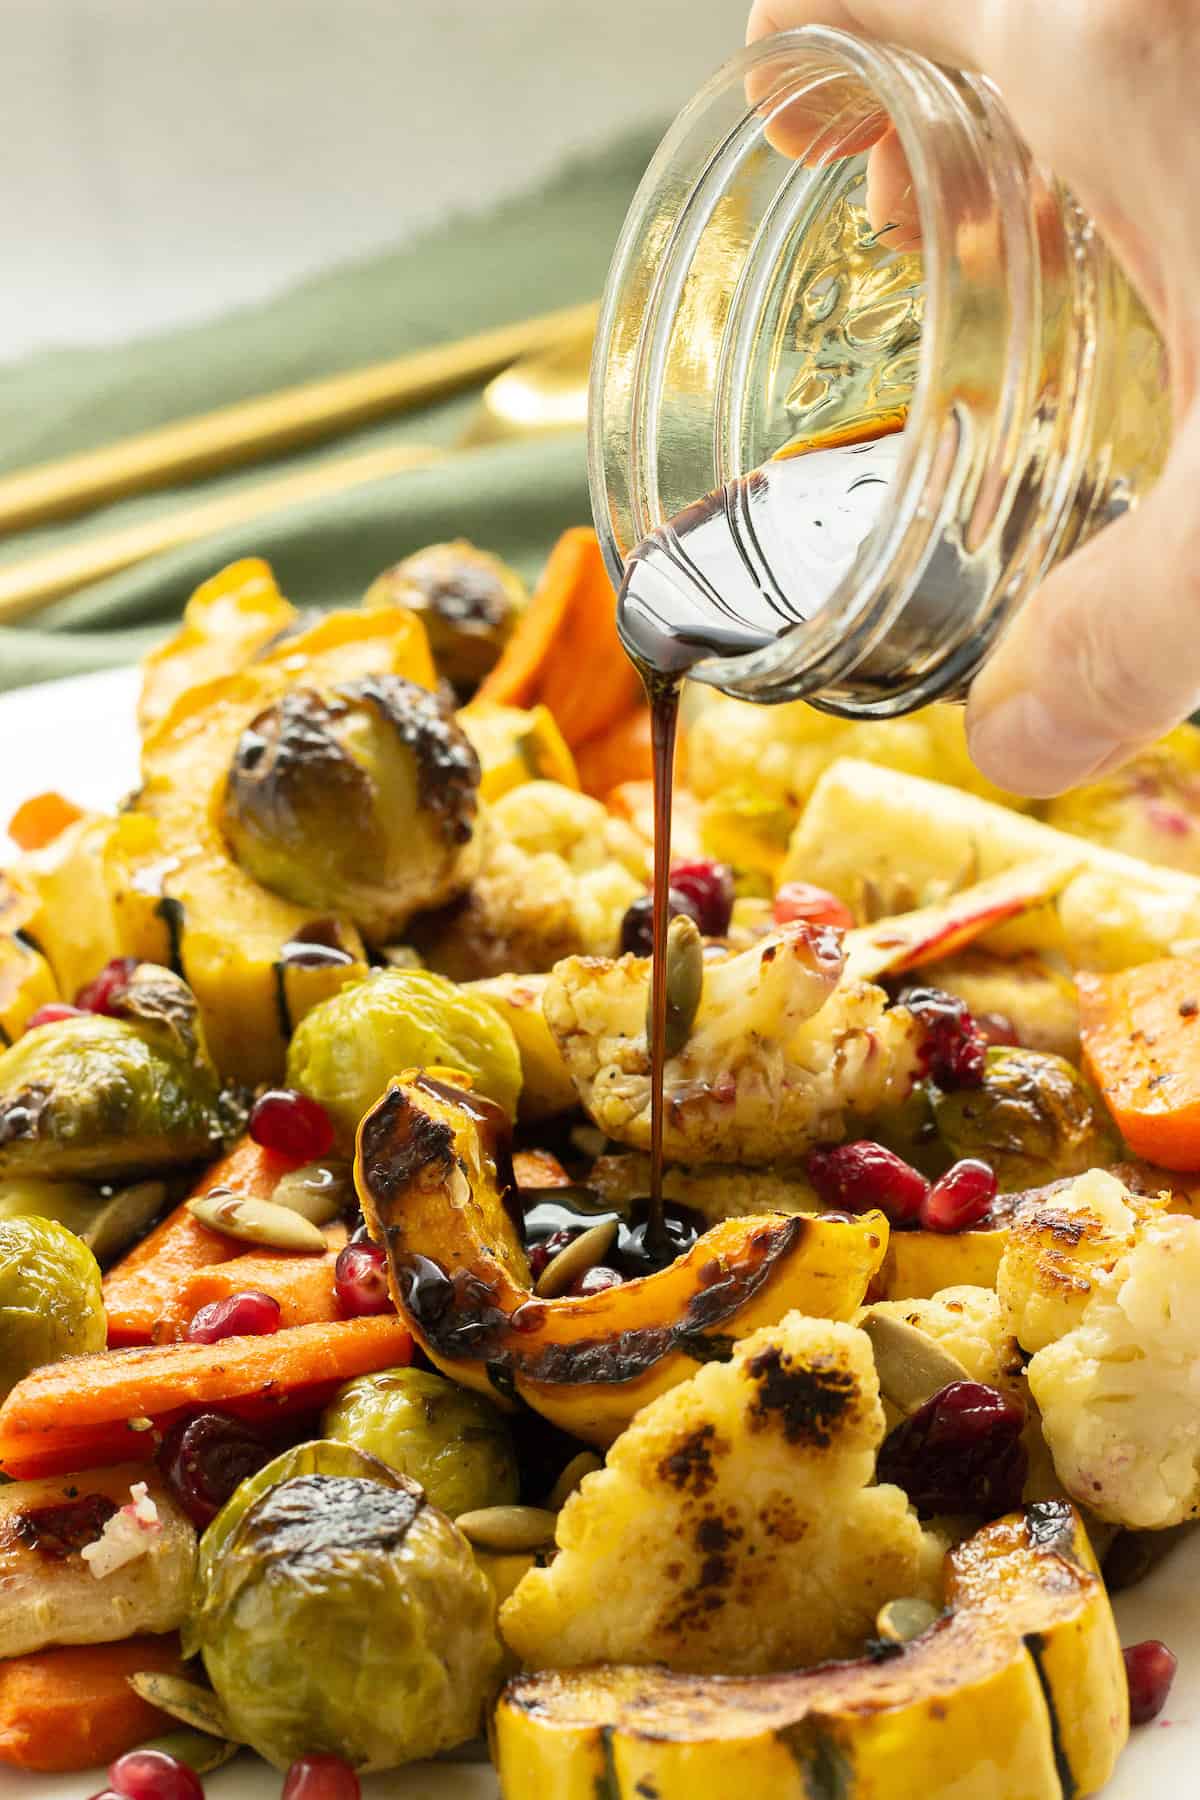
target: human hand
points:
(1106, 655)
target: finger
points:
(1106, 656)
(945, 30)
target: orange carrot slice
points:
(303, 1285)
(38, 820)
(112, 1406)
(1140, 1031)
(73, 1708)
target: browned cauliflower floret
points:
(735, 1527)
(780, 1056)
(1101, 1285)
(969, 1323)
(559, 872)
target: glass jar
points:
(757, 304)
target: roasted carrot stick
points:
(565, 651)
(113, 1406)
(141, 1294)
(618, 754)
(73, 1708)
(1140, 1031)
(38, 820)
(303, 1285)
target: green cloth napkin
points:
(544, 250)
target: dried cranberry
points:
(98, 995)
(998, 1028)
(959, 1453)
(954, 1053)
(205, 1457)
(53, 1013)
(320, 1778)
(596, 1280)
(548, 1249)
(637, 927)
(961, 1197)
(292, 1124)
(360, 1281)
(709, 886)
(153, 1775)
(1150, 1670)
(804, 900)
(248, 1314)
(856, 1177)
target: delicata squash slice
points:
(433, 1176)
(1016, 1692)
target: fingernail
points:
(1025, 747)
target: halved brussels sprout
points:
(346, 1050)
(337, 1610)
(1034, 1119)
(467, 600)
(50, 1302)
(97, 1096)
(452, 1441)
(360, 801)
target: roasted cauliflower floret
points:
(735, 1527)
(559, 873)
(362, 800)
(1149, 808)
(715, 1190)
(969, 1323)
(1103, 1289)
(780, 1056)
(1059, 1243)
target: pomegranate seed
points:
(248, 1314)
(804, 900)
(98, 995)
(204, 1458)
(855, 1177)
(709, 886)
(153, 1775)
(292, 1124)
(637, 927)
(53, 1013)
(959, 1453)
(998, 1028)
(962, 1196)
(1149, 1670)
(596, 1280)
(320, 1778)
(955, 1050)
(360, 1281)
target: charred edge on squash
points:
(1035, 1643)
(172, 915)
(459, 1316)
(398, 1141)
(823, 1765)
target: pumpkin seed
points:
(911, 1365)
(685, 982)
(319, 1192)
(201, 1753)
(124, 1217)
(196, 1706)
(579, 1466)
(508, 1527)
(580, 1255)
(257, 1222)
(902, 1620)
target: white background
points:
(164, 160)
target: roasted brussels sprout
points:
(346, 1050)
(338, 1610)
(467, 600)
(50, 1304)
(1034, 1120)
(450, 1440)
(72, 1203)
(360, 801)
(98, 1096)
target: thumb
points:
(1106, 655)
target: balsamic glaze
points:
(636, 1252)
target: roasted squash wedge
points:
(225, 622)
(515, 745)
(230, 933)
(432, 1172)
(1017, 1692)
(25, 984)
